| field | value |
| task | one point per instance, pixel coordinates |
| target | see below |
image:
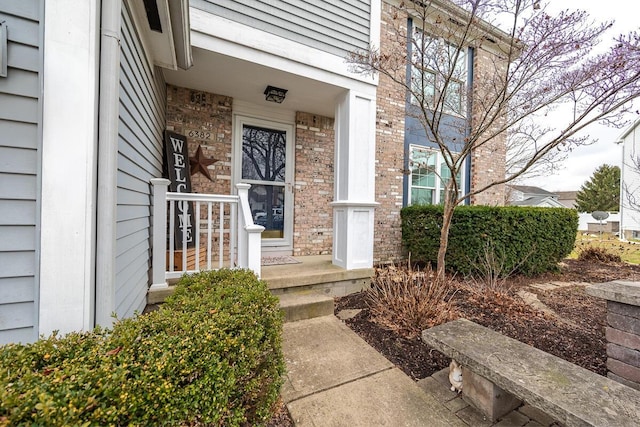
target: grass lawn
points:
(628, 251)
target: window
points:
(438, 70)
(429, 175)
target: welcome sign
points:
(176, 163)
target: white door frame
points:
(273, 244)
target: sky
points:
(583, 161)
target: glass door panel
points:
(263, 154)
(264, 166)
(267, 207)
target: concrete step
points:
(335, 283)
(316, 273)
(304, 305)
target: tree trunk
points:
(447, 215)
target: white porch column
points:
(354, 203)
(69, 151)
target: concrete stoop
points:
(304, 305)
(336, 284)
(316, 273)
(312, 274)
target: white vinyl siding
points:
(630, 184)
(20, 151)
(140, 129)
(337, 26)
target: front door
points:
(266, 164)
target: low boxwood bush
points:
(211, 355)
(526, 240)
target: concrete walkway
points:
(334, 378)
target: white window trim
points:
(438, 182)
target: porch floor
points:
(315, 273)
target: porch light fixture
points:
(275, 94)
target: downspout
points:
(406, 189)
(470, 78)
(623, 194)
(107, 160)
(621, 235)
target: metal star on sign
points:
(199, 163)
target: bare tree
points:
(629, 183)
(518, 154)
(538, 62)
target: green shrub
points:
(211, 355)
(528, 240)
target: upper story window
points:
(438, 74)
(429, 176)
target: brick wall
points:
(488, 161)
(314, 178)
(390, 124)
(206, 120)
(623, 343)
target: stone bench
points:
(499, 372)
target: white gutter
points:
(181, 29)
(107, 160)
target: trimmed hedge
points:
(531, 240)
(211, 355)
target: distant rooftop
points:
(541, 201)
(566, 194)
(529, 189)
(567, 198)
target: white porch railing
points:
(225, 218)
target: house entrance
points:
(266, 164)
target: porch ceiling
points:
(223, 75)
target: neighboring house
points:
(91, 87)
(525, 195)
(586, 222)
(567, 198)
(630, 182)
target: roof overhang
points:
(494, 38)
(627, 131)
(246, 81)
(165, 28)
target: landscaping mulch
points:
(576, 334)
(281, 417)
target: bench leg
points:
(490, 399)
